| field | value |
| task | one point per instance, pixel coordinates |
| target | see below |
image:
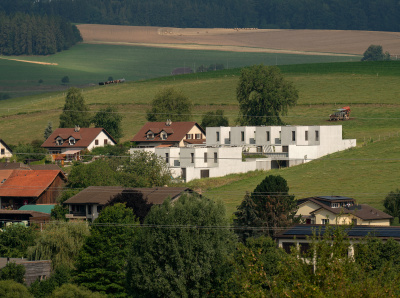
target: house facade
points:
(285, 145)
(169, 134)
(87, 204)
(68, 143)
(280, 146)
(5, 151)
(34, 270)
(340, 210)
(189, 163)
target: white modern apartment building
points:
(280, 146)
(290, 145)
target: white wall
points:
(100, 137)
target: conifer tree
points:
(75, 111)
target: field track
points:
(244, 40)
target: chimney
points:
(77, 128)
(168, 123)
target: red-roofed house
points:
(67, 143)
(22, 187)
(169, 134)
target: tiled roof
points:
(24, 212)
(83, 138)
(28, 183)
(176, 131)
(362, 211)
(102, 194)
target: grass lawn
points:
(366, 173)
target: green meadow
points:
(366, 173)
(87, 64)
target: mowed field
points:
(366, 173)
(245, 39)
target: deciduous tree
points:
(183, 251)
(392, 203)
(15, 240)
(214, 119)
(375, 53)
(13, 271)
(101, 262)
(60, 242)
(75, 111)
(264, 95)
(170, 104)
(110, 120)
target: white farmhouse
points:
(67, 143)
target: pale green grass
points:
(366, 173)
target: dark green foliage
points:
(12, 271)
(65, 80)
(214, 119)
(177, 255)
(256, 264)
(97, 173)
(15, 239)
(134, 200)
(392, 203)
(264, 95)
(375, 53)
(59, 211)
(312, 14)
(71, 290)
(75, 111)
(170, 104)
(29, 34)
(269, 206)
(101, 262)
(110, 120)
(112, 150)
(48, 130)
(375, 255)
(110, 79)
(29, 152)
(4, 96)
(144, 169)
(44, 288)
(13, 289)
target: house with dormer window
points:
(169, 134)
(68, 143)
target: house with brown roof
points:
(88, 203)
(5, 151)
(340, 210)
(21, 187)
(67, 143)
(169, 134)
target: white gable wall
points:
(4, 149)
(100, 137)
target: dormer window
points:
(150, 135)
(163, 135)
(71, 141)
(59, 141)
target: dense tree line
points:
(29, 34)
(291, 14)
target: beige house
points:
(5, 151)
(169, 134)
(340, 210)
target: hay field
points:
(244, 40)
